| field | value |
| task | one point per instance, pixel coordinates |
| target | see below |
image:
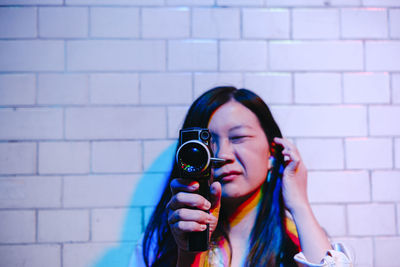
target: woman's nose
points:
(225, 151)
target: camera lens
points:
(193, 157)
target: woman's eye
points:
(238, 138)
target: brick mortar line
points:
(83, 208)
(185, 39)
(36, 226)
(90, 226)
(63, 243)
(182, 72)
(213, 5)
(185, 105)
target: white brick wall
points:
(114, 122)
(398, 217)
(394, 19)
(191, 55)
(380, 218)
(317, 88)
(387, 126)
(31, 123)
(361, 153)
(17, 89)
(388, 59)
(32, 55)
(396, 87)
(108, 224)
(315, 23)
(115, 22)
(339, 187)
(168, 23)
(274, 88)
(366, 88)
(116, 157)
(111, 190)
(19, 192)
(63, 22)
(209, 80)
(18, 158)
(315, 156)
(397, 153)
(110, 88)
(84, 254)
(326, 121)
(382, 3)
(35, 254)
(332, 218)
(266, 23)
(386, 250)
(362, 250)
(63, 226)
(243, 55)
(61, 89)
(240, 2)
(386, 186)
(166, 88)
(14, 26)
(115, 55)
(364, 23)
(64, 157)
(176, 115)
(152, 150)
(17, 226)
(216, 23)
(93, 93)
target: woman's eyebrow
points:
(239, 127)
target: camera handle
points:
(199, 241)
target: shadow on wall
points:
(146, 193)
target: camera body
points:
(194, 160)
(194, 153)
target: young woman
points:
(257, 194)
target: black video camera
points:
(194, 153)
(194, 158)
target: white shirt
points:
(337, 257)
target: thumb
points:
(215, 199)
(291, 166)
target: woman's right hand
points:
(188, 210)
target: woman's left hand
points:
(313, 240)
(294, 181)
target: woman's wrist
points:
(301, 208)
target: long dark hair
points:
(270, 244)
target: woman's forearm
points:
(313, 239)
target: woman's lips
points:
(228, 176)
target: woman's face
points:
(237, 137)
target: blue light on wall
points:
(145, 197)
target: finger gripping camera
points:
(194, 158)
